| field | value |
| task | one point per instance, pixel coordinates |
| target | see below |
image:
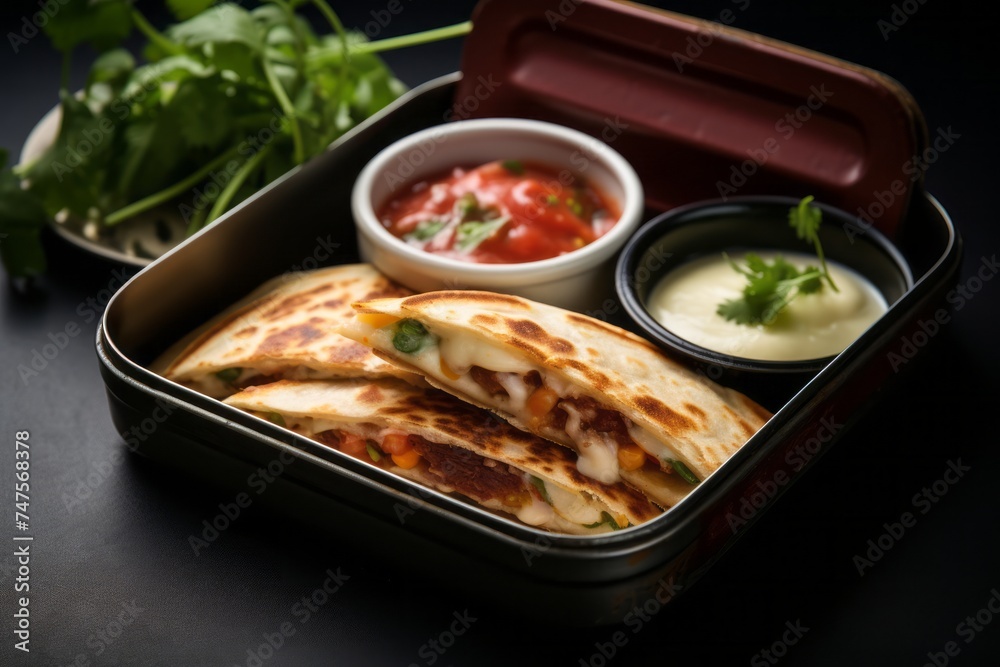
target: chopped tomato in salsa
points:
(503, 212)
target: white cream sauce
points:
(810, 327)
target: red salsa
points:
(503, 212)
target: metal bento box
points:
(692, 130)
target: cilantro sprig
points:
(771, 286)
(229, 97)
(806, 219)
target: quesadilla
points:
(626, 408)
(430, 437)
(283, 330)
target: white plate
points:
(137, 241)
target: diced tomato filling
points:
(396, 447)
(396, 443)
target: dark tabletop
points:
(113, 579)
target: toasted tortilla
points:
(469, 445)
(285, 329)
(670, 412)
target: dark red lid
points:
(700, 109)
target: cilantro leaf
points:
(185, 9)
(222, 82)
(111, 66)
(203, 110)
(21, 220)
(467, 204)
(813, 284)
(470, 234)
(740, 311)
(226, 23)
(770, 287)
(806, 219)
(773, 285)
(426, 229)
(513, 166)
(72, 173)
(102, 24)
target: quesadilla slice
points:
(430, 437)
(626, 408)
(283, 330)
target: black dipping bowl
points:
(738, 225)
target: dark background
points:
(128, 539)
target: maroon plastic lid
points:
(701, 110)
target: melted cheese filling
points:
(570, 511)
(573, 506)
(535, 513)
(598, 452)
(464, 352)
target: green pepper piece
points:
(410, 335)
(229, 375)
(513, 166)
(540, 485)
(684, 472)
(467, 204)
(605, 519)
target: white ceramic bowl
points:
(578, 280)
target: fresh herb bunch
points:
(232, 95)
(773, 285)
